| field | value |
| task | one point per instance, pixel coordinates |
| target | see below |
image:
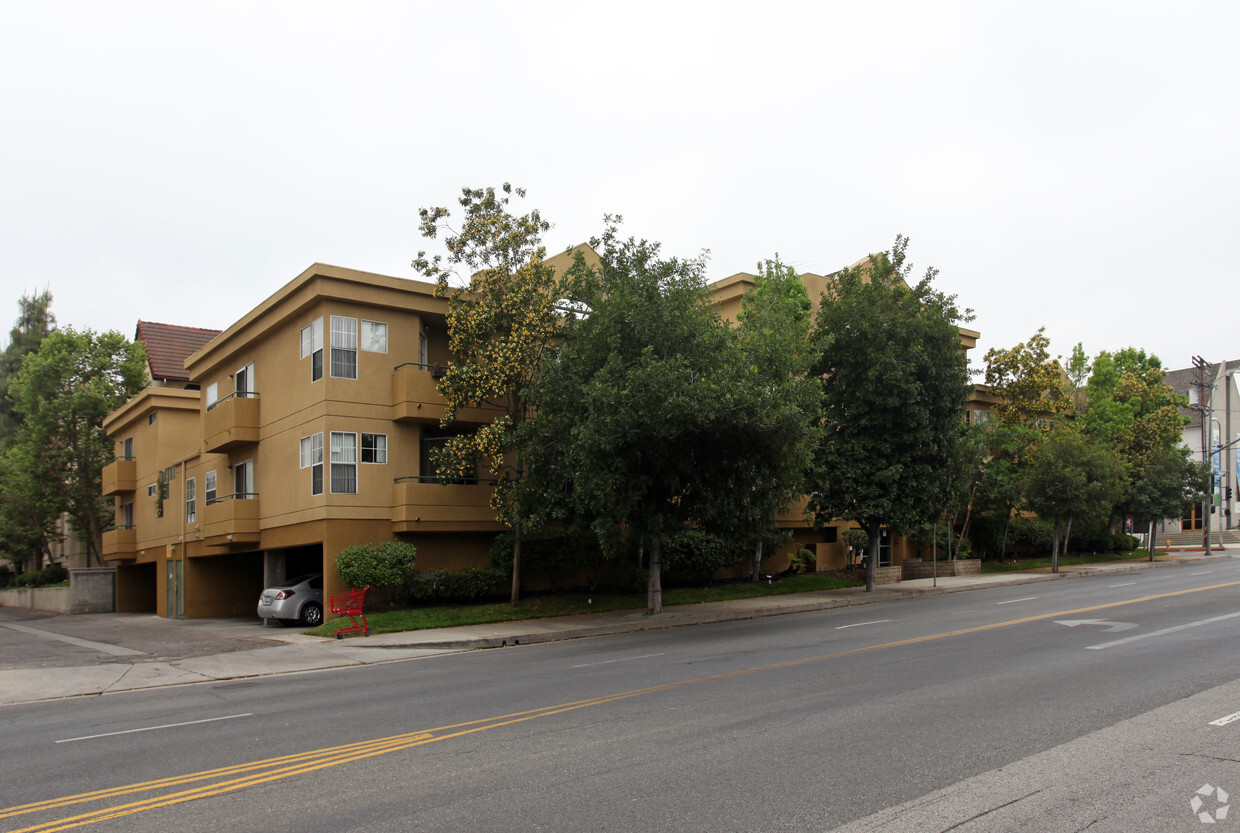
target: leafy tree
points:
(1167, 484)
(894, 388)
(637, 405)
(28, 512)
(34, 322)
(499, 324)
(776, 424)
(63, 393)
(1072, 477)
(1028, 383)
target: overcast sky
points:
(1071, 165)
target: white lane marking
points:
(1201, 573)
(1223, 721)
(609, 661)
(1104, 623)
(1163, 632)
(102, 647)
(859, 624)
(1013, 601)
(1125, 584)
(153, 728)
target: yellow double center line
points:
(225, 780)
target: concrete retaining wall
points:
(917, 568)
(90, 590)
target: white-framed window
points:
(312, 458)
(344, 463)
(126, 521)
(152, 490)
(344, 347)
(374, 336)
(127, 449)
(374, 448)
(166, 477)
(423, 351)
(150, 418)
(213, 394)
(208, 488)
(312, 347)
(244, 380)
(191, 502)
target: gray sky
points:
(1070, 165)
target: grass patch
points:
(1026, 564)
(570, 604)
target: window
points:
(344, 347)
(312, 458)
(127, 449)
(243, 480)
(312, 346)
(150, 418)
(152, 490)
(208, 488)
(244, 380)
(126, 516)
(165, 478)
(213, 395)
(344, 463)
(374, 336)
(423, 353)
(191, 507)
(374, 448)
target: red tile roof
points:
(168, 345)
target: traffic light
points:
(1228, 493)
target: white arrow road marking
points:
(1110, 626)
(1163, 632)
(1223, 721)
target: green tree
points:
(1167, 485)
(894, 389)
(1070, 478)
(777, 413)
(34, 322)
(63, 393)
(1028, 382)
(635, 406)
(499, 324)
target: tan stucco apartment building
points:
(262, 451)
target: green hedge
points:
(466, 585)
(51, 574)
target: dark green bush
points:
(1122, 542)
(52, 574)
(6, 575)
(377, 565)
(696, 556)
(470, 584)
(561, 557)
(55, 574)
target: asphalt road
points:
(1057, 706)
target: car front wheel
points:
(312, 615)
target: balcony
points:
(416, 398)
(423, 504)
(120, 476)
(231, 422)
(231, 520)
(120, 543)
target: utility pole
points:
(1207, 416)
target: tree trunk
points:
(654, 585)
(951, 525)
(757, 561)
(871, 561)
(1067, 536)
(1055, 548)
(1007, 524)
(1151, 541)
(516, 562)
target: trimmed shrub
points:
(470, 584)
(377, 565)
(1122, 542)
(55, 574)
(6, 575)
(696, 556)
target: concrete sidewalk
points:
(106, 653)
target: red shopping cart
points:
(350, 604)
